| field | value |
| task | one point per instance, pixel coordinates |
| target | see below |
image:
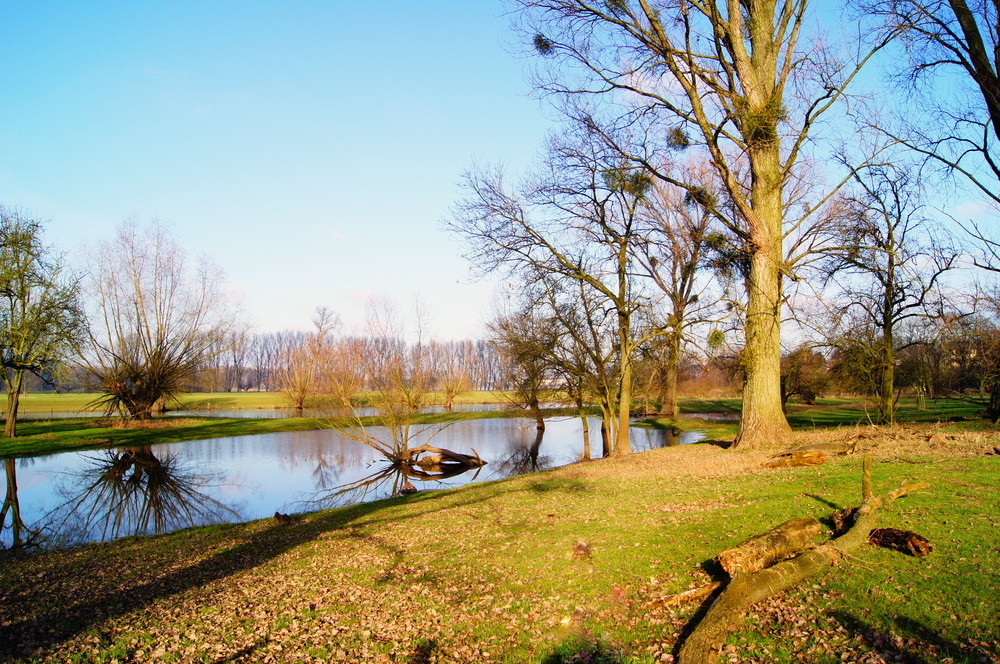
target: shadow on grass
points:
(557, 484)
(579, 649)
(68, 594)
(422, 653)
(823, 501)
(919, 645)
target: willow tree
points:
(155, 319)
(730, 81)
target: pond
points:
(78, 497)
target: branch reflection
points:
(391, 479)
(524, 458)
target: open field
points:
(46, 402)
(485, 573)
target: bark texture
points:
(764, 550)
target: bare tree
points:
(305, 363)
(452, 370)
(578, 221)
(343, 370)
(888, 267)
(958, 40)
(672, 252)
(40, 316)
(526, 340)
(396, 375)
(154, 318)
(730, 81)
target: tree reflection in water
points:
(20, 534)
(132, 491)
(525, 458)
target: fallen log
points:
(834, 449)
(703, 644)
(442, 456)
(764, 550)
(791, 459)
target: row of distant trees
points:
(154, 330)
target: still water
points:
(91, 496)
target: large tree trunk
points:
(763, 423)
(13, 402)
(668, 390)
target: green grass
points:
(825, 413)
(485, 572)
(41, 437)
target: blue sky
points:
(311, 148)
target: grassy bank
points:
(825, 413)
(486, 573)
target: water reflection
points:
(524, 458)
(135, 491)
(20, 534)
(390, 479)
(140, 490)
